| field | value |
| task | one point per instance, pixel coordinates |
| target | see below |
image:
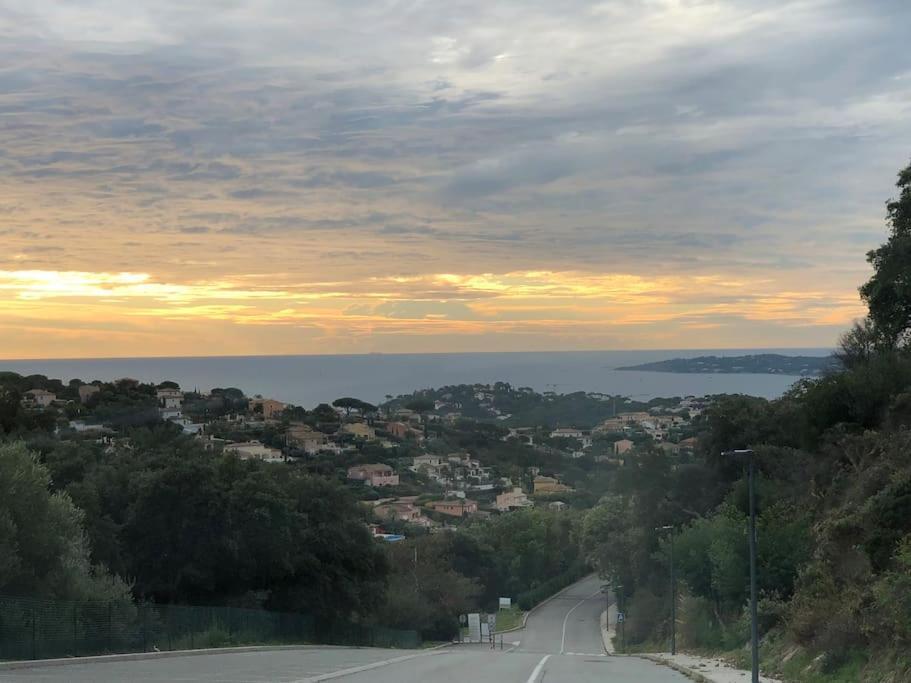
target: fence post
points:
(192, 629)
(34, 634)
(145, 628)
(75, 645)
(110, 627)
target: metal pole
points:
(754, 621)
(623, 623)
(673, 602)
(754, 630)
(34, 634)
(673, 619)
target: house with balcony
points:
(169, 398)
(304, 437)
(622, 446)
(512, 500)
(38, 398)
(269, 408)
(359, 430)
(254, 450)
(402, 511)
(374, 474)
(461, 507)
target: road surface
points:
(561, 642)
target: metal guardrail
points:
(38, 629)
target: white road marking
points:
(537, 671)
(573, 609)
(359, 669)
(514, 644)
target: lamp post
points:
(754, 632)
(673, 591)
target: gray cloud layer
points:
(620, 134)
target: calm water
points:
(308, 380)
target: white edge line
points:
(537, 671)
(359, 669)
(563, 639)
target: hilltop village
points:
(418, 463)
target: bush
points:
(700, 628)
(647, 617)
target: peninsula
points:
(765, 363)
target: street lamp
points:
(673, 591)
(754, 632)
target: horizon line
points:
(411, 353)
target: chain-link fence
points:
(39, 629)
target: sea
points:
(309, 380)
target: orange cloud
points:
(572, 308)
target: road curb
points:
(139, 656)
(510, 630)
(689, 673)
(541, 604)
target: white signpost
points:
(474, 628)
(505, 603)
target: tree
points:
(214, 529)
(10, 409)
(426, 592)
(420, 405)
(348, 404)
(43, 548)
(857, 345)
(324, 413)
(888, 292)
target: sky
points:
(287, 176)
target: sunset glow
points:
(284, 178)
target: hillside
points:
(834, 509)
(764, 363)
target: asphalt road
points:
(561, 642)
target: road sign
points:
(505, 603)
(492, 621)
(474, 628)
(621, 617)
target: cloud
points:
(357, 179)
(358, 140)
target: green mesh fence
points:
(41, 629)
